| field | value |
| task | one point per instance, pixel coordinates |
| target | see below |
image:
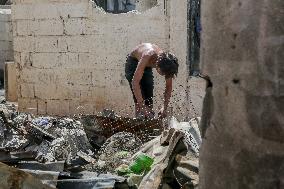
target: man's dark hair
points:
(168, 64)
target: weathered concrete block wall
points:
(71, 55)
(242, 52)
(6, 38)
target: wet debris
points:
(90, 151)
(116, 151)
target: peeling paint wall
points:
(71, 55)
(6, 40)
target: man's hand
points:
(146, 112)
(162, 113)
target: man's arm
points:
(137, 78)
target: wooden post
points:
(10, 82)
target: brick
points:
(98, 44)
(45, 11)
(23, 27)
(91, 94)
(22, 11)
(114, 93)
(25, 59)
(51, 91)
(57, 10)
(47, 44)
(116, 62)
(93, 28)
(58, 107)
(78, 43)
(27, 105)
(27, 90)
(115, 77)
(46, 60)
(28, 75)
(74, 26)
(52, 76)
(75, 10)
(86, 95)
(42, 76)
(48, 27)
(79, 77)
(93, 61)
(62, 44)
(24, 44)
(74, 92)
(99, 94)
(69, 60)
(116, 44)
(42, 107)
(98, 78)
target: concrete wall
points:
(71, 55)
(242, 52)
(6, 44)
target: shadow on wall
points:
(124, 6)
(1, 79)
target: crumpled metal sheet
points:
(176, 157)
(102, 181)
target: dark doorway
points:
(194, 32)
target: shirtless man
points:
(138, 71)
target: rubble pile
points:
(82, 152)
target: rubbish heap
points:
(96, 151)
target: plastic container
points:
(141, 164)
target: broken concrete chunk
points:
(14, 178)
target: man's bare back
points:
(147, 49)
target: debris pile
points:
(98, 151)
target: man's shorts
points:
(146, 83)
